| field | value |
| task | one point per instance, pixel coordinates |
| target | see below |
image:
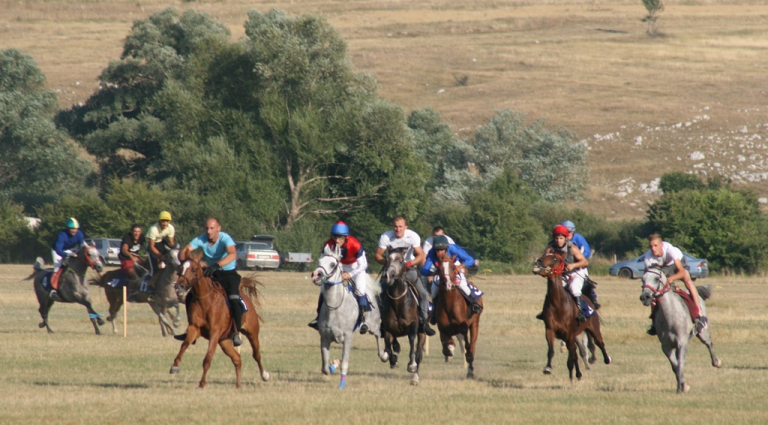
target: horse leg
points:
(115, 302)
(45, 307)
(393, 354)
(345, 350)
(412, 366)
(591, 347)
(471, 345)
(446, 341)
(325, 354)
(573, 359)
(383, 354)
(165, 325)
(422, 340)
(193, 332)
(175, 316)
(252, 333)
(679, 354)
(229, 349)
(582, 350)
(96, 320)
(550, 337)
(706, 338)
(209, 356)
(593, 329)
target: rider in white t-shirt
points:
(428, 242)
(663, 255)
(402, 237)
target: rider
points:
(575, 266)
(353, 265)
(66, 244)
(437, 231)
(442, 245)
(582, 244)
(669, 259)
(160, 238)
(220, 255)
(402, 237)
(129, 250)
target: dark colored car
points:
(634, 269)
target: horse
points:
(453, 316)
(72, 285)
(560, 315)
(400, 316)
(674, 326)
(339, 312)
(161, 299)
(209, 317)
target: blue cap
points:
(340, 229)
(569, 225)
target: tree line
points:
(277, 133)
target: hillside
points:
(693, 99)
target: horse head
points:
(328, 266)
(173, 257)
(654, 285)
(548, 265)
(447, 271)
(395, 268)
(89, 255)
(191, 271)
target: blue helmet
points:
(441, 242)
(569, 225)
(72, 223)
(340, 229)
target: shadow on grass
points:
(750, 367)
(92, 384)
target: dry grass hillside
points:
(693, 99)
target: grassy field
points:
(643, 105)
(74, 376)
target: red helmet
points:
(560, 230)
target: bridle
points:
(555, 270)
(400, 277)
(325, 282)
(657, 292)
(191, 283)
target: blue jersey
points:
(217, 251)
(64, 241)
(582, 244)
(452, 250)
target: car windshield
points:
(114, 243)
(259, 247)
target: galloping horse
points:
(161, 299)
(72, 285)
(452, 313)
(674, 326)
(339, 312)
(560, 315)
(400, 317)
(209, 317)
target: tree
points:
(36, 157)
(677, 181)
(654, 8)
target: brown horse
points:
(453, 316)
(209, 317)
(400, 314)
(561, 315)
(161, 299)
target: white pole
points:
(125, 312)
(426, 346)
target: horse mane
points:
(251, 287)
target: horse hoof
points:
(412, 368)
(41, 325)
(415, 380)
(547, 370)
(470, 374)
(563, 349)
(393, 365)
(176, 324)
(100, 321)
(384, 357)
(608, 360)
(448, 358)
(592, 360)
(109, 319)
(685, 389)
(174, 370)
(265, 376)
(717, 363)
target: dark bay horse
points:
(161, 299)
(209, 317)
(560, 315)
(72, 285)
(453, 316)
(400, 314)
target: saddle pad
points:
(474, 293)
(46, 282)
(689, 302)
(242, 303)
(589, 311)
(119, 281)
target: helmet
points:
(165, 215)
(560, 230)
(340, 229)
(441, 242)
(72, 223)
(569, 225)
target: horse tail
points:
(38, 267)
(705, 291)
(250, 286)
(375, 285)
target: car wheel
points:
(625, 273)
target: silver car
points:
(108, 249)
(634, 268)
(256, 255)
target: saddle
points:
(692, 309)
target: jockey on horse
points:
(575, 267)
(441, 243)
(160, 239)
(66, 245)
(583, 245)
(402, 237)
(219, 252)
(129, 250)
(353, 265)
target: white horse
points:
(339, 312)
(673, 322)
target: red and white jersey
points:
(351, 251)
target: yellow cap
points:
(165, 215)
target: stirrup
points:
(363, 326)
(581, 317)
(236, 341)
(313, 324)
(651, 331)
(426, 329)
(477, 308)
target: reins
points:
(660, 292)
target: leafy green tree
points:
(677, 181)
(654, 8)
(17, 241)
(36, 157)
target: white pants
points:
(57, 260)
(574, 281)
(462, 285)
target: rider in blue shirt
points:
(583, 246)
(219, 252)
(66, 245)
(441, 244)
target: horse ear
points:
(196, 254)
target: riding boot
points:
(580, 306)
(424, 327)
(237, 316)
(313, 323)
(362, 302)
(593, 298)
(652, 330)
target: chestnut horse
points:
(400, 314)
(453, 315)
(209, 317)
(561, 315)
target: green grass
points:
(74, 376)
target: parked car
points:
(108, 249)
(634, 269)
(258, 254)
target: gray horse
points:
(72, 285)
(673, 322)
(339, 312)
